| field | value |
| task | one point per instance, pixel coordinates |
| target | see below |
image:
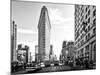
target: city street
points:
(49, 69)
(44, 69)
(40, 40)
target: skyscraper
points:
(13, 41)
(44, 35)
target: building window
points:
(82, 50)
(88, 28)
(43, 44)
(78, 52)
(86, 38)
(43, 33)
(88, 35)
(95, 47)
(82, 42)
(95, 53)
(43, 23)
(94, 31)
(94, 13)
(81, 19)
(87, 48)
(94, 22)
(86, 16)
(87, 54)
(85, 30)
(82, 9)
(81, 13)
(44, 39)
(88, 6)
(93, 6)
(88, 12)
(88, 20)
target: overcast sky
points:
(26, 16)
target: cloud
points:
(26, 31)
(57, 18)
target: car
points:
(47, 63)
(52, 64)
(56, 63)
(42, 65)
(60, 64)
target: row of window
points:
(81, 52)
(94, 21)
(80, 13)
(86, 38)
(88, 29)
(87, 7)
(88, 21)
(94, 14)
(88, 35)
(43, 34)
(82, 55)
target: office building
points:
(85, 32)
(13, 41)
(44, 35)
(23, 53)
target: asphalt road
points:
(55, 69)
(48, 69)
(44, 69)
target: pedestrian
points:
(86, 64)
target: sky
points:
(26, 16)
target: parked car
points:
(60, 64)
(47, 63)
(56, 63)
(52, 64)
(42, 64)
